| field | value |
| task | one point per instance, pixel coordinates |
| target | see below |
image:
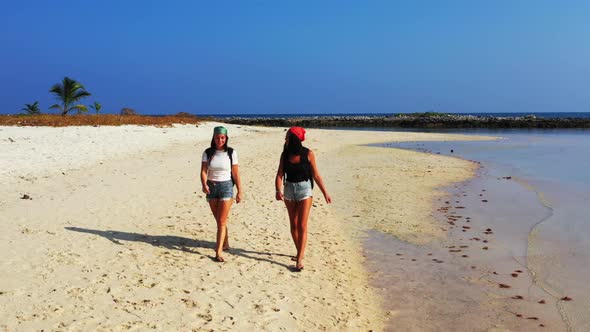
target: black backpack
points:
(230, 151)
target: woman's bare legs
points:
(220, 210)
(293, 221)
(298, 216)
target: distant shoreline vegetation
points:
(426, 120)
(55, 120)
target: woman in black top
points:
(296, 174)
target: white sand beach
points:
(116, 234)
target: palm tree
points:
(32, 108)
(96, 107)
(68, 92)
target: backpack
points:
(230, 151)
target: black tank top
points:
(300, 171)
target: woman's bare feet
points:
(299, 266)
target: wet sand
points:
(558, 252)
(483, 273)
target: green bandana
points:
(220, 130)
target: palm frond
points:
(96, 106)
(77, 95)
(57, 89)
(81, 108)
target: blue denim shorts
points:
(222, 191)
(297, 191)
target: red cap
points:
(299, 132)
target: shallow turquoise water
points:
(560, 156)
(555, 166)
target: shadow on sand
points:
(178, 243)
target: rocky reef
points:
(413, 121)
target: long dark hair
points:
(293, 146)
(211, 150)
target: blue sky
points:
(220, 57)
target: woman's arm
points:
(205, 187)
(317, 178)
(279, 181)
(235, 171)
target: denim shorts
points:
(222, 191)
(298, 191)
